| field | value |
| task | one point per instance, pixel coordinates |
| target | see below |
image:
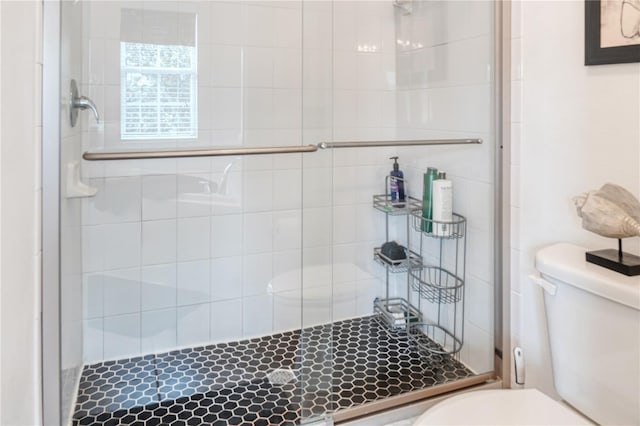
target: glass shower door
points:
(185, 274)
(70, 226)
(235, 287)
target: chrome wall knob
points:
(80, 103)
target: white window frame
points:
(192, 72)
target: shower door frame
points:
(502, 208)
(51, 255)
(51, 295)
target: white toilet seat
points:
(501, 407)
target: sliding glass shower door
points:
(220, 248)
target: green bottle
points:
(427, 207)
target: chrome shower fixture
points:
(405, 5)
(80, 103)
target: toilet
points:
(501, 407)
(593, 320)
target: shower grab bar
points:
(183, 153)
(217, 152)
(365, 144)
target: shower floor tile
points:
(202, 369)
(116, 385)
(271, 380)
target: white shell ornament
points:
(611, 212)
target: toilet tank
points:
(593, 320)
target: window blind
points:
(158, 62)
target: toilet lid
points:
(501, 407)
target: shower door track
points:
(407, 398)
(219, 152)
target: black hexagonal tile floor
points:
(319, 370)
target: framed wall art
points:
(612, 31)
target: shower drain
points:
(281, 376)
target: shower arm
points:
(219, 152)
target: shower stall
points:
(218, 195)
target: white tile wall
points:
(158, 287)
(121, 291)
(193, 239)
(158, 330)
(159, 197)
(226, 235)
(286, 309)
(287, 229)
(121, 335)
(257, 274)
(219, 244)
(193, 282)
(194, 192)
(444, 90)
(226, 320)
(122, 245)
(158, 241)
(257, 315)
(226, 274)
(193, 324)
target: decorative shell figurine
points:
(611, 211)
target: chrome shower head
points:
(405, 5)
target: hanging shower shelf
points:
(452, 230)
(434, 338)
(440, 283)
(396, 314)
(436, 284)
(413, 260)
(384, 203)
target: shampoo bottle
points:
(442, 205)
(429, 177)
(396, 183)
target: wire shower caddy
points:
(440, 284)
(435, 322)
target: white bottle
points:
(442, 189)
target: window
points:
(159, 87)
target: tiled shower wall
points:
(178, 253)
(444, 90)
(183, 252)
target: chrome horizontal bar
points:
(184, 153)
(218, 152)
(364, 144)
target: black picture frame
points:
(593, 53)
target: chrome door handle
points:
(83, 103)
(80, 102)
